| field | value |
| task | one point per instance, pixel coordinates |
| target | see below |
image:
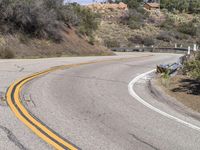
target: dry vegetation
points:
(123, 27)
(185, 90)
(47, 28)
(185, 86)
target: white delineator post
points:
(189, 50)
(195, 47)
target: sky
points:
(83, 1)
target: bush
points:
(91, 40)
(198, 56)
(88, 21)
(180, 36)
(69, 16)
(148, 41)
(136, 39)
(164, 36)
(134, 25)
(134, 19)
(6, 53)
(30, 18)
(131, 3)
(168, 23)
(188, 28)
(44, 19)
(198, 41)
(111, 43)
(192, 69)
(191, 6)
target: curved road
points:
(91, 107)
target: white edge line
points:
(139, 99)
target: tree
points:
(194, 5)
(131, 3)
(110, 1)
(181, 5)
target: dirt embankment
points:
(185, 90)
(22, 46)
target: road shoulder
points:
(175, 100)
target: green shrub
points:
(91, 40)
(198, 56)
(164, 36)
(88, 21)
(192, 69)
(131, 3)
(180, 36)
(31, 18)
(134, 25)
(23, 38)
(148, 41)
(165, 80)
(198, 41)
(191, 6)
(45, 18)
(111, 43)
(136, 39)
(6, 53)
(168, 23)
(134, 19)
(188, 28)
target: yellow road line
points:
(34, 129)
(17, 107)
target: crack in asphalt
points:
(2, 99)
(27, 100)
(13, 138)
(19, 67)
(91, 78)
(142, 141)
(100, 79)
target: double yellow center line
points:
(37, 126)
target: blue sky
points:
(84, 1)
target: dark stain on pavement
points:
(12, 138)
(142, 141)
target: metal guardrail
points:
(149, 49)
(172, 68)
(168, 68)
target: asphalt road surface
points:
(90, 106)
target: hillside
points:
(20, 46)
(141, 27)
(47, 28)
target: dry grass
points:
(72, 45)
(112, 29)
(185, 90)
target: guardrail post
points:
(195, 47)
(189, 50)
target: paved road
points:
(91, 107)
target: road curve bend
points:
(90, 106)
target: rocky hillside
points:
(141, 27)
